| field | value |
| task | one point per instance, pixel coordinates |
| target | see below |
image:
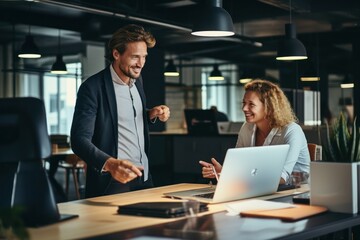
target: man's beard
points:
(129, 74)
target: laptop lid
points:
(247, 172)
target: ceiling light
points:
(215, 74)
(213, 21)
(309, 74)
(246, 76)
(29, 49)
(290, 48)
(245, 80)
(348, 82)
(59, 67)
(170, 70)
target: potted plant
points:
(11, 224)
(334, 181)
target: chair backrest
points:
(24, 142)
(315, 151)
(62, 140)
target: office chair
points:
(315, 151)
(24, 142)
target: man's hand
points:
(162, 112)
(122, 170)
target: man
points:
(110, 125)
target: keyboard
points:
(205, 195)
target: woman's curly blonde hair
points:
(277, 107)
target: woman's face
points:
(253, 108)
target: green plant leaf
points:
(328, 149)
(343, 138)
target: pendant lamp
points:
(215, 74)
(309, 74)
(348, 82)
(213, 21)
(29, 49)
(290, 48)
(170, 70)
(246, 77)
(59, 67)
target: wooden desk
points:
(98, 216)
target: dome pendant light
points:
(29, 48)
(215, 74)
(59, 67)
(290, 48)
(170, 70)
(213, 21)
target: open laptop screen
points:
(201, 122)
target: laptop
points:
(247, 172)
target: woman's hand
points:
(207, 170)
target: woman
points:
(269, 121)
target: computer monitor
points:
(201, 122)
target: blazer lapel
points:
(110, 94)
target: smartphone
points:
(303, 198)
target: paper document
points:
(255, 204)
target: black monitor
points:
(201, 122)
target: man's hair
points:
(277, 107)
(127, 34)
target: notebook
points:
(247, 172)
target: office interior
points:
(79, 31)
(75, 33)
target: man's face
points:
(129, 64)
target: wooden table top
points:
(99, 216)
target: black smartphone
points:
(303, 198)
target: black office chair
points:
(24, 142)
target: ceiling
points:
(326, 27)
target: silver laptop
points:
(247, 172)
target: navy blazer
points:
(94, 130)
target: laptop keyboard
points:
(205, 195)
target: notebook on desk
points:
(247, 172)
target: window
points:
(59, 97)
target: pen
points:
(216, 175)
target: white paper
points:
(255, 204)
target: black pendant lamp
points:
(59, 66)
(290, 48)
(29, 49)
(215, 74)
(348, 82)
(213, 21)
(170, 70)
